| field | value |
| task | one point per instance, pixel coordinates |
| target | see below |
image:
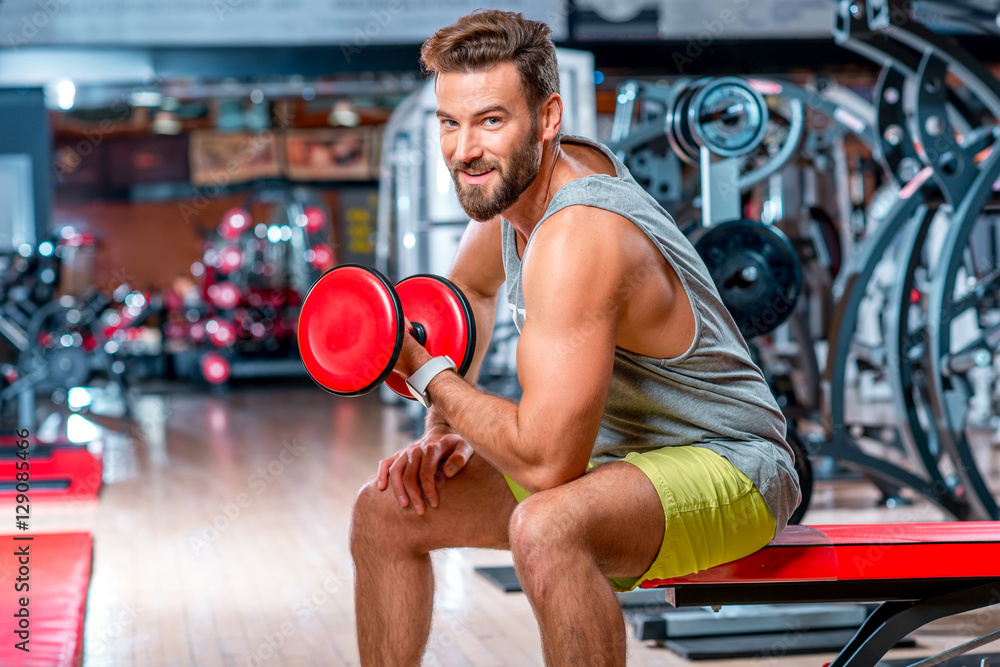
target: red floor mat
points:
(55, 470)
(58, 576)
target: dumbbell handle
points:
(418, 331)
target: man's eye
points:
(489, 121)
(448, 122)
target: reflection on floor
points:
(221, 539)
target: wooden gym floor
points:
(221, 539)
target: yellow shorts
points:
(713, 513)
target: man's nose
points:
(467, 147)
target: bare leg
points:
(394, 582)
(566, 541)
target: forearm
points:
(484, 310)
(490, 424)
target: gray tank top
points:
(711, 396)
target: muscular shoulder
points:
(588, 234)
(582, 253)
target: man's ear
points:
(550, 117)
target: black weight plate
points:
(756, 270)
(728, 116)
(677, 129)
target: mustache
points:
(475, 165)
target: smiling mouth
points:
(476, 174)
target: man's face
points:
(489, 138)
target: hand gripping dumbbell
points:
(351, 327)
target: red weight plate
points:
(446, 315)
(197, 332)
(224, 295)
(350, 330)
(321, 256)
(214, 368)
(315, 219)
(234, 222)
(230, 259)
(221, 332)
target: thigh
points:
(614, 511)
(663, 514)
(474, 510)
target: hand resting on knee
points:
(412, 470)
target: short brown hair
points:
(490, 37)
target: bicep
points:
(565, 373)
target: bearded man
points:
(646, 444)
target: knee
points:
(371, 521)
(542, 534)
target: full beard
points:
(515, 177)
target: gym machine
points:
(941, 156)
(56, 342)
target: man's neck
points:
(525, 214)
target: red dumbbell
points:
(229, 259)
(320, 256)
(224, 295)
(214, 368)
(315, 219)
(221, 332)
(235, 221)
(350, 329)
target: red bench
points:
(919, 571)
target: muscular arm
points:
(565, 358)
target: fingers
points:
(410, 480)
(463, 452)
(428, 467)
(396, 471)
(411, 472)
(403, 476)
(408, 327)
(383, 470)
